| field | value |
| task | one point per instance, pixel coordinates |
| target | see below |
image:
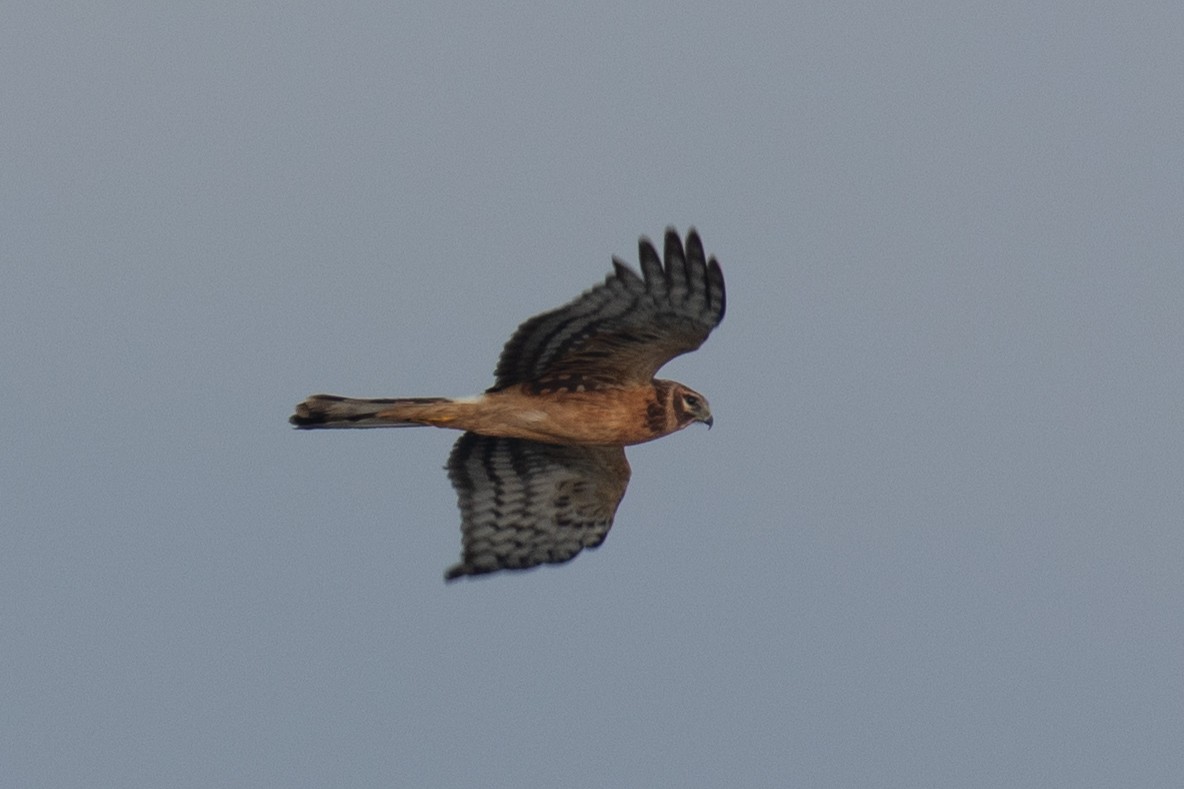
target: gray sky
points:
(933, 540)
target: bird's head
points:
(690, 406)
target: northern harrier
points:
(541, 467)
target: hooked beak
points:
(709, 421)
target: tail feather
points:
(334, 411)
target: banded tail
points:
(335, 411)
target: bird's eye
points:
(690, 401)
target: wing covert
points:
(623, 330)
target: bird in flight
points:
(541, 466)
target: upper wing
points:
(621, 332)
(523, 503)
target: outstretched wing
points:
(523, 503)
(621, 332)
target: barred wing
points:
(622, 331)
(524, 503)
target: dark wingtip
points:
(652, 270)
(623, 271)
(715, 278)
(462, 570)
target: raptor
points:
(541, 468)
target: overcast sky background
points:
(935, 538)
